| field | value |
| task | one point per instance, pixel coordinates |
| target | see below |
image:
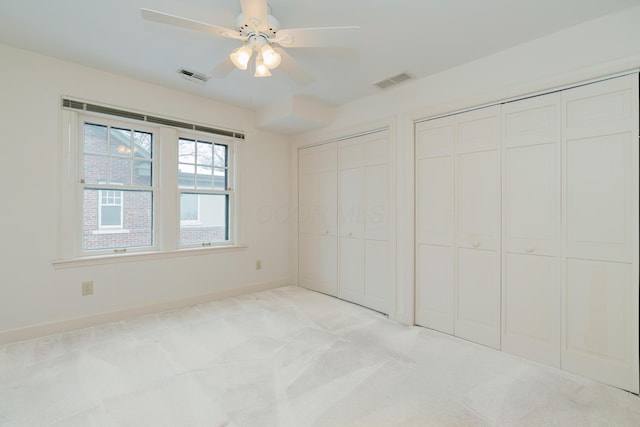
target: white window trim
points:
(81, 119)
(166, 215)
(229, 191)
(110, 228)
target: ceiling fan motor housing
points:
(268, 30)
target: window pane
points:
(120, 171)
(111, 216)
(186, 176)
(204, 177)
(136, 222)
(120, 142)
(212, 226)
(205, 153)
(186, 151)
(95, 139)
(220, 179)
(220, 158)
(142, 141)
(95, 169)
(188, 207)
(142, 172)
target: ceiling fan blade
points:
(345, 37)
(223, 68)
(254, 10)
(294, 70)
(165, 18)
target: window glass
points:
(211, 212)
(117, 219)
(204, 214)
(117, 211)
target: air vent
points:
(193, 76)
(393, 80)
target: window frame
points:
(101, 204)
(114, 123)
(228, 191)
(165, 205)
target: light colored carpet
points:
(287, 357)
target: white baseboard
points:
(43, 329)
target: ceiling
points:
(417, 37)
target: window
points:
(133, 182)
(117, 187)
(110, 209)
(189, 208)
(205, 191)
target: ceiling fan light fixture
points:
(261, 69)
(241, 56)
(270, 57)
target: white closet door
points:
(366, 261)
(351, 220)
(434, 222)
(600, 262)
(531, 180)
(317, 218)
(477, 314)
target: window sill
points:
(110, 231)
(143, 256)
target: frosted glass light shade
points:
(241, 56)
(261, 69)
(270, 57)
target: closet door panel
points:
(531, 199)
(317, 186)
(598, 182)
(477, 130)
(599, 321)
(435, 201)
(435, 138)
(350, 153)
(478, 188)
(376, 197)
(435, 288)
(478, 299)
(307, 184)
(317, 218)
(318, 267)
(351, 212)
(366, 265)
(352, 268)
(435, 219)
(531, 298)
(602, 108)
(326, 209)
(376, 148)
(600, 281)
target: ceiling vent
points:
(193, 76)
(393, 80)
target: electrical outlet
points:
(87, 288)
(258, 264)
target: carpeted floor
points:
(287, 357)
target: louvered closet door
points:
(477, 247)
(366, 262)
(317, 218)
(531, 198)
(435, 224)
(600, 231)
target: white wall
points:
(33, 291)
(597, 48)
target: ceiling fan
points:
(259, 33)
